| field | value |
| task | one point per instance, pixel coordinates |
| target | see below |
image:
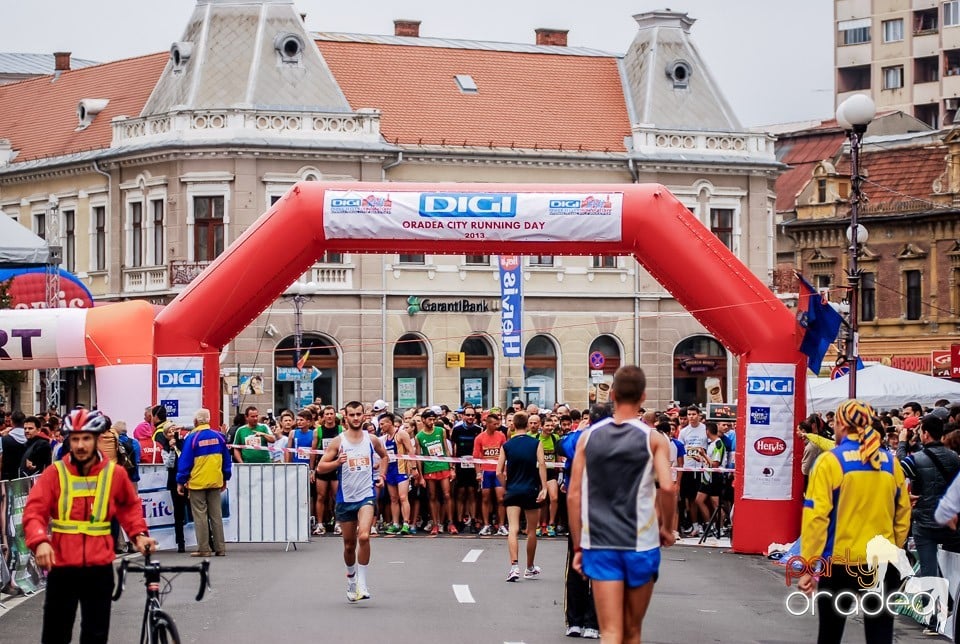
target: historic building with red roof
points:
(144, 169)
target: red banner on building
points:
(955, 360)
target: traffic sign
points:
(292, 374)
(597, 360)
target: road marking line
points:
(394, 562)
(472, 556)
(462, 591)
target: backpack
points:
(127, 459)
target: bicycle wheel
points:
(164, 630)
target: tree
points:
(9, 380)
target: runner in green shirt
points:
(431, 441)
(251, 435)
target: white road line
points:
(472, 556)
(462, 591)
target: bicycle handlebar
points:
(154, 567)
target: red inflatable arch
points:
(645, 221)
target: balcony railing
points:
(145, 279)
(183, 272)
(325, 276)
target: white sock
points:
(351, 570)
(362, 575)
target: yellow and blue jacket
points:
(849, 502)
(205, 460)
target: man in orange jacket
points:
(76, 499)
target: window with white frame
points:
(540, 260)
(951, 13)
(721, 225)
(70, 239)
(476, 260)
(892, 30)
(893, 77)
(854, 32)
(157, 231)
(604, 261)
(40, 225)
(98, 223)
(135, 234)
(208, 227)
(412, 259)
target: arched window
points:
(699, 362)
(318, 376)
(540, 371)
(411, 363)
(476, 376)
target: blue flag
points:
(821, 324)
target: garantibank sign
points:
(417, 304)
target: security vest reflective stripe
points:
(72, 487)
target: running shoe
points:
(532, 572)
(514, 574)
(362, 593)
(590, 634)
(539, 531)
(573, 631)
(486, 531)
(373, 530)
(352, 588)
(562, 530)
(393, 528)
(551, 531)
(406, 529)
(319, 530)
(452, 529)
(434, 530)
(337, 529)
(428, 526)
(503, 532)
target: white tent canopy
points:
(883, 387)
(19, 246)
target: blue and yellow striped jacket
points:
(205, 461)
(848, 503)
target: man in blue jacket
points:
(579, 611)
(203, 470)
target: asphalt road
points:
(262, 594)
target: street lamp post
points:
(854, 115)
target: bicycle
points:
(157, 626)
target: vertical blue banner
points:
(511, 305)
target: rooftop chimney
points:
(557, 37)
(61, 61)
(406, 28)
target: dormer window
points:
(180, 53)
(679, 72)
(290, 48)
(87, 110)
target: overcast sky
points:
(773, 59)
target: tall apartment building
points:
(905, 53)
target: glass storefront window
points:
(410, 364)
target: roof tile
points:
(40, 114)
(525, 100)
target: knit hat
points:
(859, 416)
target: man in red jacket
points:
(76, 499)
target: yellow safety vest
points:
(72, 487)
